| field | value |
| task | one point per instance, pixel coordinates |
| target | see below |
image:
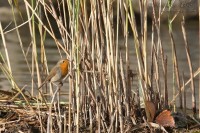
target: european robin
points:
(58, 72)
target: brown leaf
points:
(151, 110)
(165, 119)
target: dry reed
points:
(101, 94)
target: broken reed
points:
(101, 94)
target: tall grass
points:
(101, 94)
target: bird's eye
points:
(63, 61)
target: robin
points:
(58, 72)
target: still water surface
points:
(23, 76)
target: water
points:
(192, 37)
(23, 76)
(19, 67)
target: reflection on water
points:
(23, 76)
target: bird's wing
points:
(52, 73)
(48, 78)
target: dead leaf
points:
(151, 110)
(165, 119)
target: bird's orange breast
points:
(64, 68)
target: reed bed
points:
(102, 97)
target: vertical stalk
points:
(190, 66)
(170, 32)
(117, 96)
(6, 52)
(76, 52)
(145, 41)
(128, 82)
(199, 51)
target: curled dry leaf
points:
(165, 119)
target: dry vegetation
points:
(101, 93)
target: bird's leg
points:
(59, 85)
